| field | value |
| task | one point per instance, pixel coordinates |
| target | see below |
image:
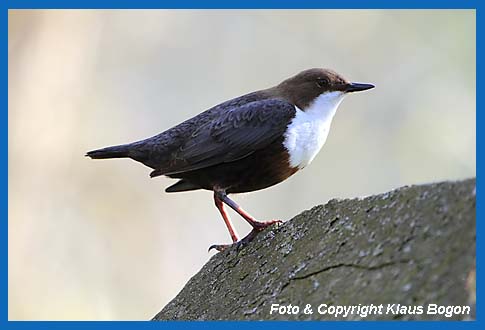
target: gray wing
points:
(235, 134)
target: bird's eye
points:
(322, 82)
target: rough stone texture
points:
(413, 246)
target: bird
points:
(245, 144)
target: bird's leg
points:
(220, 197)
(227, 221)
(257, 225)
(225, 216)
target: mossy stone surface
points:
(413, 246)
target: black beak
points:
(357, 87)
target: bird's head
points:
(305, 87)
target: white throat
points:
(308, 131)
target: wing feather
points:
(234, 135)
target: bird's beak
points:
(357, 87)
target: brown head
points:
(307, 85)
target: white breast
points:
(308, 131)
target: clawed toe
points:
(262, 225)
(248, 238)
(219, 247)
(239, 244)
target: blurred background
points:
(100, 240)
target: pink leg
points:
(225, 216)
(220, 198)
(257, 225)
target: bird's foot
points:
(239, 244)
(257, 228)
(260, 225)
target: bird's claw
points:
(262, 225)
(248, 238)
(219, 247)
(222, 247)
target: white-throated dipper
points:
(248, 143)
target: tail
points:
(121, 151)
